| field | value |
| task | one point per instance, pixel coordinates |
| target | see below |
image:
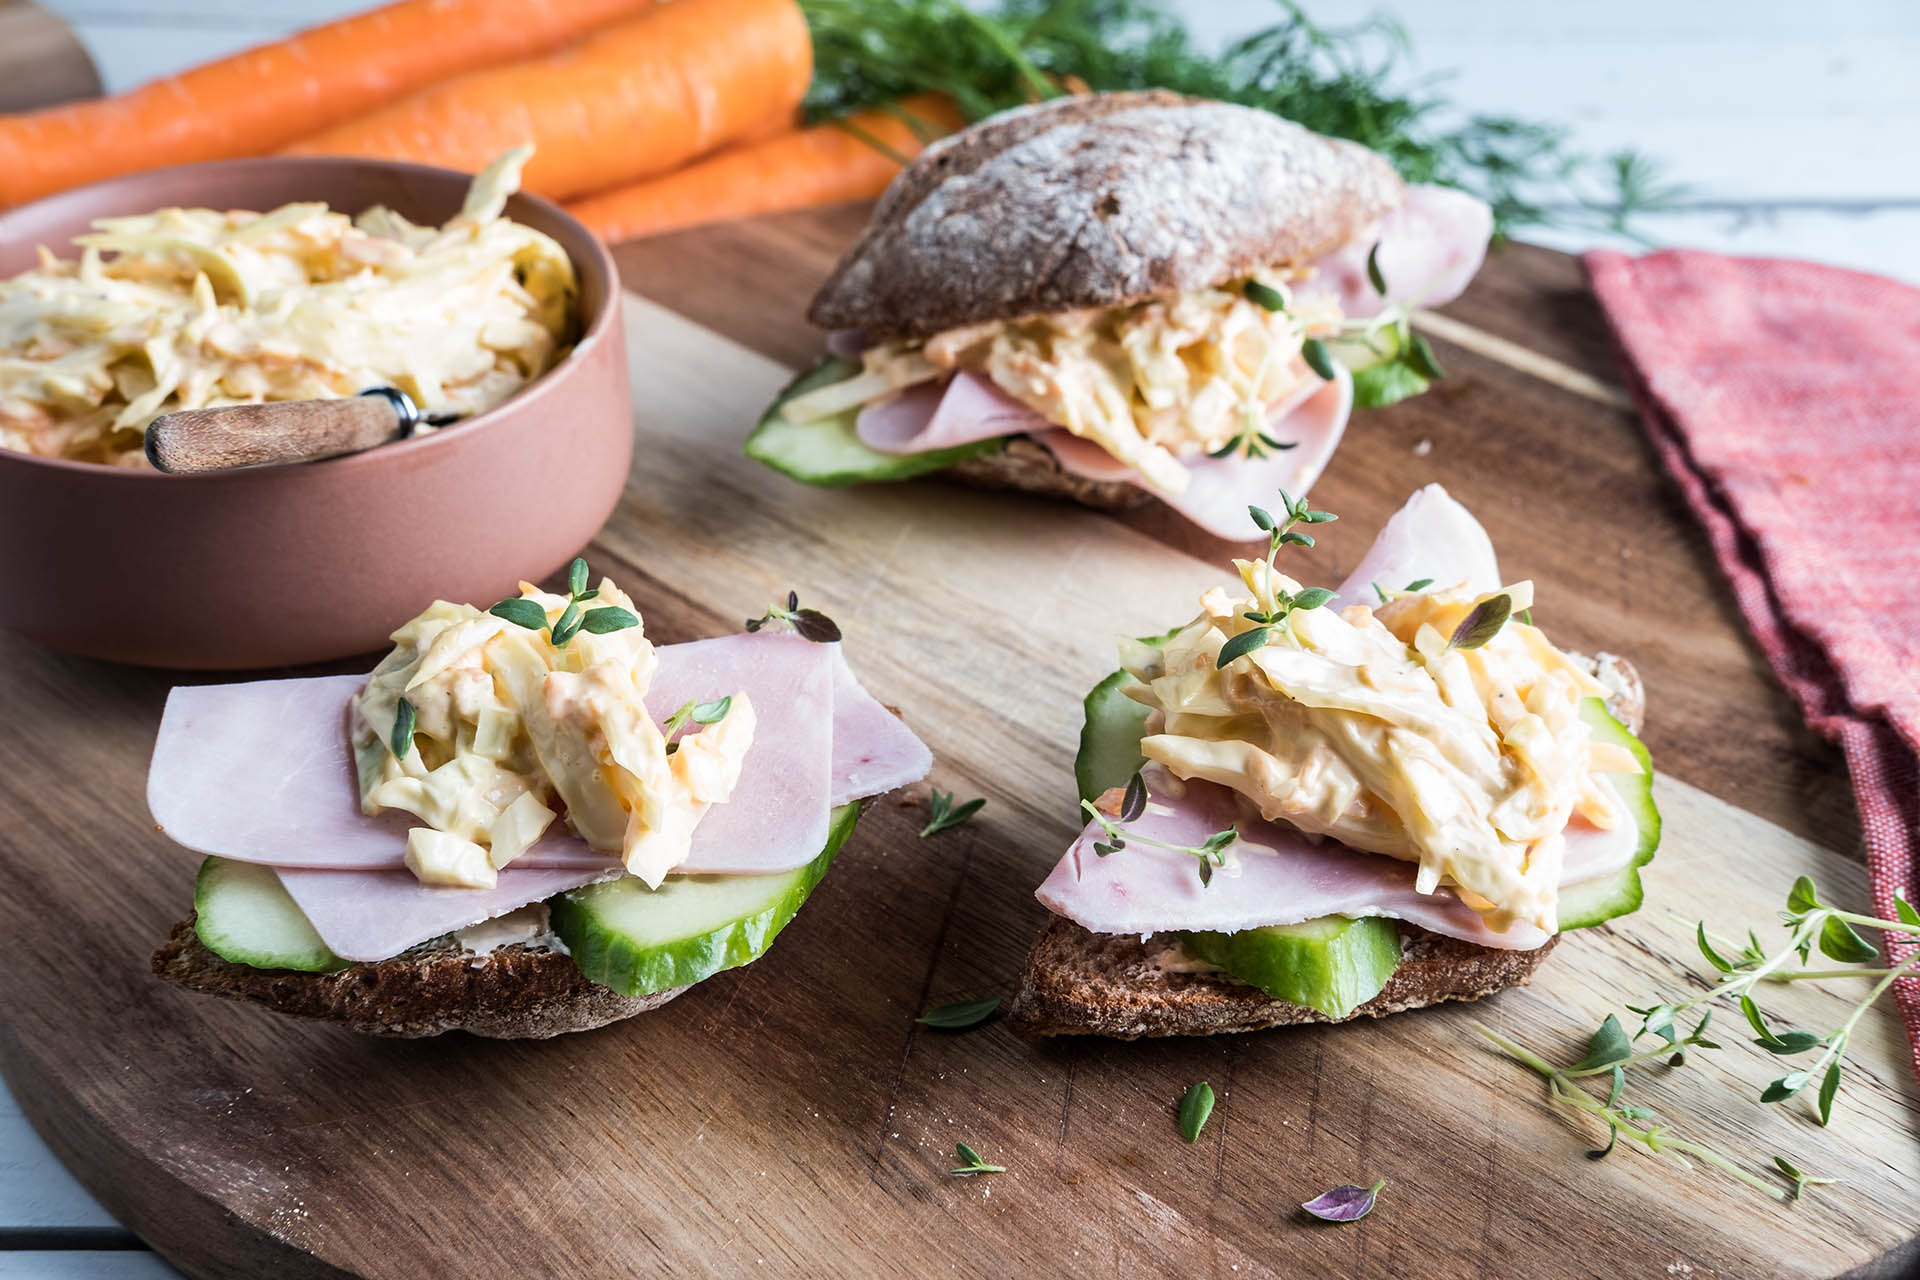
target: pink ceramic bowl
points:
(299, 564)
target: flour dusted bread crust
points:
(1098, 200)
(515, 993)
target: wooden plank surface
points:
(789, 1115)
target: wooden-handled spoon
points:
(277, 432)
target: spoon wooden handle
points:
(271, 434)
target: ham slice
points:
(1282, 876)
(964, 409)
(1430, 248)
(831, 742)
(1276, 876)
(1430, 536)
(375, 915)
(261, 772)
(1219, 490)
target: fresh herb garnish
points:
(808, 624)
(941, 812)
(1741, 968)
(522, 611)
(1483, 624)
(961, 1015)
(1801, 1181)
(1133, 804)
(401, 741)
(1419, 584)
(1345, 1203)
(1374, 278)
(701, 713)
(1264, 295)
(1196, 1104)
(1279, 604)
(971, 1163)
(1319, 359)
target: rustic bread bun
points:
(515, 993)
(1102, 984)
(1094, 201)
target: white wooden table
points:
(1795, 124)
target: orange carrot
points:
(800, 169)
(636, 99)
(267, 97)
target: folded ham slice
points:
(261, 772)
(964, 409)
(1430, 536)
(1430, 249)
(1279, 875)
(1276, 875)
(1219, 490)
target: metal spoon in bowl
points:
(277, 432)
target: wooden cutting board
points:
(790, 1116)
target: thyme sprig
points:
(1133, 805)
(971, 1163)
(808, 624)
(1279, 605)
(1611, 1052)
(573, 619)
(942, 813)
(691, 712)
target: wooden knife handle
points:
(270, 434)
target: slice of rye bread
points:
(514, 993)
(1079, 983)
(1096, 201)
(1030, 467)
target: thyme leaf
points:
(942, 812)
(401, 741)
(970, 1162)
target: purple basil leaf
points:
(1346, 1203)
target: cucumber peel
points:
(1334, 964)
(243, 913)
(1596, 901)
(828, 451)
(636, 941)
(1110, 734)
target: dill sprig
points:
(1347, 82)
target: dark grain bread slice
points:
(1102, 984)
(514, 993)
(1095, 201)
(1029, 466)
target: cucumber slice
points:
(828, 451)
(1334, 964)
(243, 914)
(1584, 905)
(1110, 734)
(637, 940)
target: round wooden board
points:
(790, 1114)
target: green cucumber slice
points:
(1334, 964)
(1110, 734)
(637, 940)
(1584, 905)
(828, 451)
(243, 914)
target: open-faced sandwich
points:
(528, 820)
(1125, 295)
(1306, 805)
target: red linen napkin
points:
(1782, 396)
